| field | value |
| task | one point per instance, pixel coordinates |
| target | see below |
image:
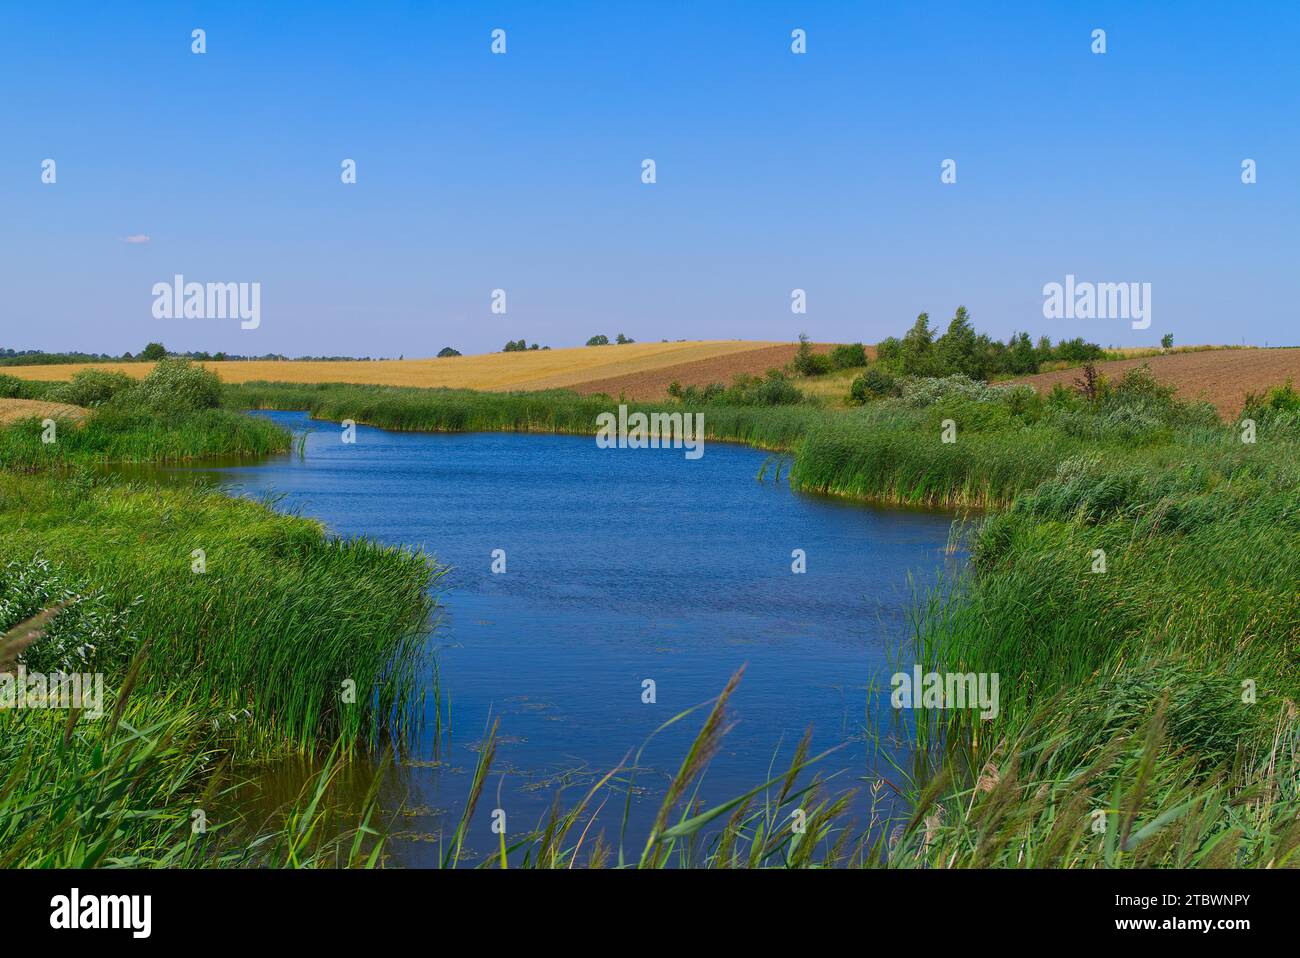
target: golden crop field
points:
(12, 410)
(498, 372)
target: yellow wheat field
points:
(12, 410)
(497, 372)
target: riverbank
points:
(225, 633)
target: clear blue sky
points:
(522, 171)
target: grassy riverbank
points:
(226, 634)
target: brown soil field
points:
(12, 410)
(1219, 376)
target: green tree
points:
(154, 352)
(958, 349)
(916, 354)
(1022, 357)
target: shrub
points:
(808, 363)
(928, 391)
(773, 390)
(875, 383)
(88, 632)
(174, 385)
(1283, 398)
(11, 387)
(91, 387)
(848, 356)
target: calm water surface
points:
(622, 565)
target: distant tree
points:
(448, 351)
(916, 354)
(598, 341)
(808, 363)
(621, 340)
(1167, 341)
(219, 357)
(848, 356)
(889, 350)
(154, 352)
(959, 349)
(1022, 358)
(515, 347)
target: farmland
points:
(529, 370)
(1222, 377)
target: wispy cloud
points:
(136, 238)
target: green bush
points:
(91, 387)
(808, 363)
(174, 385)
(11, 387)
(848, 356)
(1283, 398)
(875, 383)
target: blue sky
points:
(522, 172)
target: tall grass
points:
(121, 436)
(462, 410)
(281, 617)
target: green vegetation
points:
(962, 351)
(227, 633)
(848, 356)
(774, 389)
(462, 410)
(448, 351)
(808, 363)
(511, 346)
(1279, 403)
(167, 416)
